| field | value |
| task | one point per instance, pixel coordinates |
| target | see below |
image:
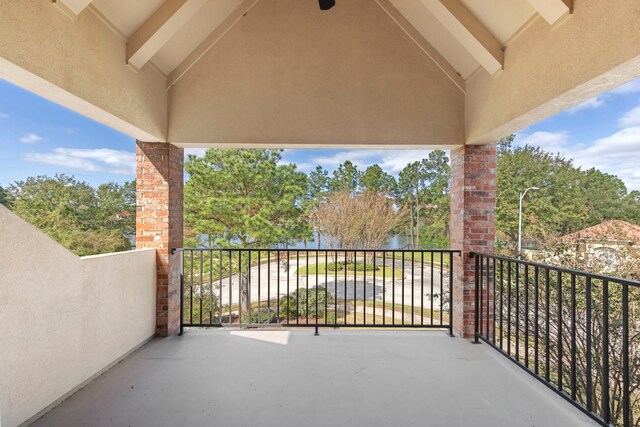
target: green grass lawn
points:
(330, 269)
(418, 257)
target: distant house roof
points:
(612, 230)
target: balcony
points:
(341, 377)
(282, 73)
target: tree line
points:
(251, 198)
(84, 219)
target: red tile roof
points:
(613, 230)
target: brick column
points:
(159, 182)
(473, 227)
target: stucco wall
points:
(549, 69)
(81, 65)
(64, 318)
(291, 75)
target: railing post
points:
(477, 297)
(450, 292)
(181, 291)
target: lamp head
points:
(326, 4)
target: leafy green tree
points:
(4, 197)
(317, 189)
(569, 198)
(77, 215)
(377, 180)
(411, 184)
(559, 207)
(606, 196)
(245, 198)
(116, 207)
(437, 198)
(346, 178)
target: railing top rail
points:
(561, 269)
(448, 251)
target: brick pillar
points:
(473, 227)
(159, 182)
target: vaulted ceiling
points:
(283, 73)
(469, 35)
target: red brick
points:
(473, 208)
(159, 218)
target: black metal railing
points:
(317, 288)
(578, 333)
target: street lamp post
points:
(522, 194)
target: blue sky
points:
(39, 137)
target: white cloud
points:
(4, 116)
(616, 149)
(92, 160)
(30, 138)
(632, 87)
(630, 118)
(589, 104)
(616, 154)
(550, 141)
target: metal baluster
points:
(517, 338)
(240, 286)
(536, 319)
(355, 286)
(335, 288)
(307, 288)
(559, 277)
(393, 287)
(589, 326)
(210, 286)
(422, 288)
(493, 299)
(431, 295)
(403, 287)
(317, 268)
(547, 331)
(268, 287)
(526, 315)
(191, 289)
(501, 303)
(220, 287)
(441, 286)
(373, 293)
(230, 288)
(481, 307)
(477, 297)
(450, 294)
(626, 394)
(298, 287)
(509, 308)
(488, 297)
(574, 349)
(345, 287)
(182, 292)
(278, 286)
(326, 285)
(384, 289)
(364, 286)
(413, 285)
(606, 406)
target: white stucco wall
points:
(64, 318)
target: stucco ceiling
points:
(468, 34)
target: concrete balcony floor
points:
(342, 377)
